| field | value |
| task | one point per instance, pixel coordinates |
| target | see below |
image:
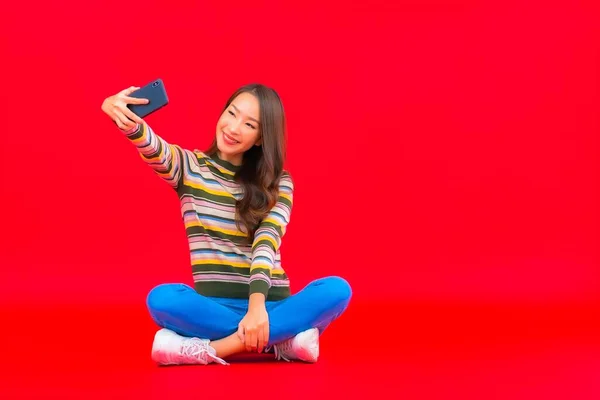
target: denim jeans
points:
(180, 308)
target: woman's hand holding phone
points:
(115, 107)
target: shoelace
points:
(198, 349)
(282, 350)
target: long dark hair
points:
(262, 166)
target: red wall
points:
(440, 149)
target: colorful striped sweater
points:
(223, 263)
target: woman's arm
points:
(267, 238)
(253, 329)
(165, 159)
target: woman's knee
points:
(160, 297)
(337, 288)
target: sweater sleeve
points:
(267, 238)
(164, 158)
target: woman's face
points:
(238, 128)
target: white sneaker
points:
(304, 347)
(169, 348)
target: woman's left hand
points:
(253, 329)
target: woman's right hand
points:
(116, 108)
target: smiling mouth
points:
(229, 139)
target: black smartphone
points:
(157, 97)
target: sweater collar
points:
(225, 164)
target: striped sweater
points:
(223, 263)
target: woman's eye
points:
(251, 126)
(230, 112)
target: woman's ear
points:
(258, 142)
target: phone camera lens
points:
(155, 84)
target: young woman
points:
(236, 200)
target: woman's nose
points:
(234, 125)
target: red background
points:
(445, 155)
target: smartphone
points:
(157, 97)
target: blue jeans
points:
(180, 308)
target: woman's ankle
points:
(228, 346)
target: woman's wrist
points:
(256, 301)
